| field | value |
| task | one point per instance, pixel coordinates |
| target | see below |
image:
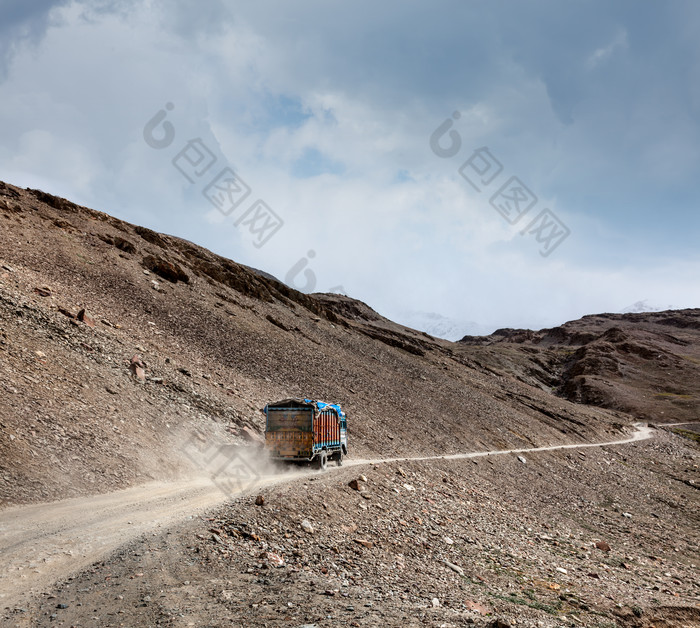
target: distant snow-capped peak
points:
(644, 306)
(441, 326)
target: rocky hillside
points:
(645, 364)
(116, 342)
(561, 539)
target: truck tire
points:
(339, 458)
(322, 461)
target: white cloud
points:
(265, 87)
(601, 55)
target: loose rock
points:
(307, 527)
(456, 568)
(602, 545)
(84, 317)
(138, 368)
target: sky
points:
(507, 163)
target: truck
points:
(304, 430)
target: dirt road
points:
(41, 544)
(642, 432)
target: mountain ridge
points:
(217, 341)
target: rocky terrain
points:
(646, 365)
(117, 344)
(218, 341)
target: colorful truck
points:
(303, 430)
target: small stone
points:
(137, 368)
(456, 568)
(84, 317)
(562, 570)
(435, 602)
(307, 527)
(478, 608)
(275, 559)
(364, 543)
(40, 354)
(448, 540)
(62, 606)
(362, 478)
(522, 459)
(627, 515)
(603, 546)
(355, 485)
(408, 487)
(260, 500)
(66, 312)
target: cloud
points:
(326, 111)
(603, 54)
(23, 23)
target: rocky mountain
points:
(120, 346)
(647, 364)
(86, 298)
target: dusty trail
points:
(642, 432)
(41, 544)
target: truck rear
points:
(303, 430)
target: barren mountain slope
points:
(218, 340)
(645, 364)
(175, 339)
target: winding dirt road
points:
(41, 544)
